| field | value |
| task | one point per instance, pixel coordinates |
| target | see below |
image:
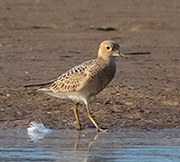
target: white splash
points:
(37, 131)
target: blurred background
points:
(40, 37)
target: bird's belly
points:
(77, 98)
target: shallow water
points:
(127, 145)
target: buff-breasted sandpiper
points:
(86, 80)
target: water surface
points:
(126, 145)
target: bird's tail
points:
(39, 84)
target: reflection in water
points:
(37, 132)
(76, 146)
(87, 145)
(82, 142)
(79, 137)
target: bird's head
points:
(109, 49)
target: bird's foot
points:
(102, 130)
(79, 127)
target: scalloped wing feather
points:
(72, 80)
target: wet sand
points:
(40, 40)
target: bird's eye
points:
(108, 48)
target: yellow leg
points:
(93, 121)
(76, 115)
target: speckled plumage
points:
(87, 79)
(90, 77)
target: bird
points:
(84, 81)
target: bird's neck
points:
(107, 60)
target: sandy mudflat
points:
(41, 39)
